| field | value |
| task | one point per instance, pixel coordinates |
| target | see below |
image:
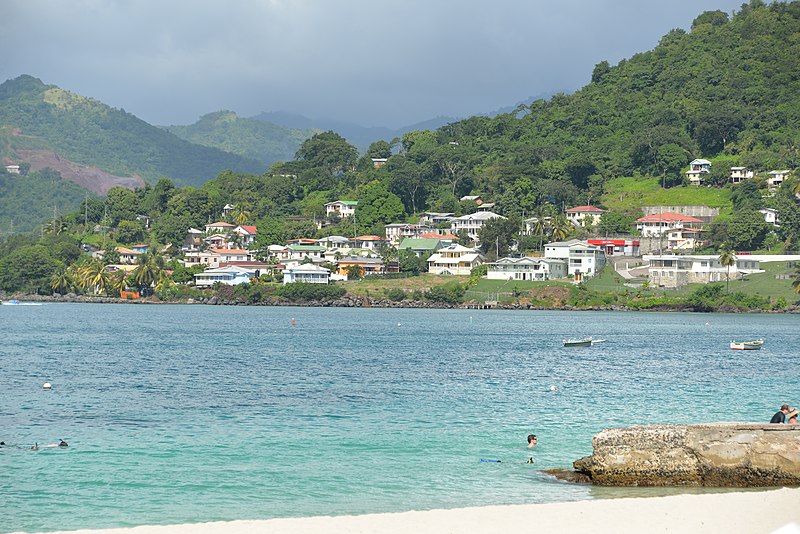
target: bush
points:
(396, 294)
(300, 291)
(450, 293)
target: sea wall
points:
(716, 454)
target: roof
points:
(479, 216)
(584, 209)
(250, 229)
(438, 236)
(345, 202)
(564, 243)
(229, 251)
(668, 216)
(368, 238)
(438, 258)
(123, 250)
(420, 243)
(308, 248)
(307, 268)
(360, 260)
(221, 224)
(455, 247)
(700, 162)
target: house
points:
(217, 241)
(399, 231)
(533, 222)
(193, 239)
(301, 252)
(445, 239)
(472, 223)
(455, 260)
(421, 247)
(673, 271)
(12, 169)
(581, 216)
(334, 242)
(685, 239)
(341, 208)
(770, 216)
(302, 241)
(582, 258)
(617, 247)
(698, 168)
(526, 268)
(307, 273)
(219, 227)
(486, 206)
(367, 265)
(436, 218)
(657, 224)
(776, 178)
(472, 198)
(230, 275)
(739, 174)
(227, 210)
(141, 248)
(213, 257)
(248, 233)
(368, 242)
(379, 162)
(127, 255)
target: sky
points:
(385, 63)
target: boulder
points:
(714, 454)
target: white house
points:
(685, 238)
(581, 216)
(673, 271)
(616, 247)
(342, 208)
(739, 174)
(582, 258)
(770, 216)
(436, 218)
(698, 168)
(472, 223)
(658, 223)
(396, 232)
(307, 273)
(368, 242)
(219, 227)
(455, 259)
(526, 268)
(334, 242)
(12, 169)
(230, 275)
(776, 178)
(248, 233)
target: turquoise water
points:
(179, 414)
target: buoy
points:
(553, 388)
(46, 386)
(292, 321)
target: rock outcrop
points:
(718, 454)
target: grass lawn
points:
(376, 287)
(628, 195)
(607, 280)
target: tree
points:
(241, 215)
(129, 231)
(94, 275)
(149, 271)
(746, 196)
(121, 204)
(330, 151)
(670, 159)
(61, 281)
(560, 228)
(613, 222)
(377, 206)
(28, 269)
(727, 258)
(379, 149)
(498, 235)
(354, 272)
(411, 263)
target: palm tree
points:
(61, 281)
(560, 228)
(727, 258)
(118, 283)
(149, 271)
(796, 281)
(241, 215)
(95, 275)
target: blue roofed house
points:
(230, 275)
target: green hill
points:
(89, 132)
(255, 139)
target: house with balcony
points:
(248, 234)
(432, 218)
(219, 227)
(698, 169)
(686, 239)
(740, 174)
(307, 273)
(454, 260)
(672, 271)
(584, 216)
(341, 208)
(366, 265)
(230, 275)
(420, 246)
(472, 223)
(526, 268)
(582, 259)
(334, 242)
(776, 178)
(617, 247)
(368, 242)
(396, 232)
(660, 223)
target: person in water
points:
(780, 415)
(791, 417)
(532, 441)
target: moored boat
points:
(15, 302)
(747, 345)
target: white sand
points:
(740, 513)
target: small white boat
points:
(584, 342)
(747, 345)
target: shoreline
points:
(350, 301)
(756, 512)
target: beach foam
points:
(757, 512)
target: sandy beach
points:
(743, 513)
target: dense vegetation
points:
(254, 139)
(26, 201)
(89, 132)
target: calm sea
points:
(179, 414)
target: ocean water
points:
(179, 414)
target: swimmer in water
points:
(532, 441)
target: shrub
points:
(396, 294)
(299, 291)
(450, 293)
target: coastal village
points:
(667, 248)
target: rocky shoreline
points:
(352, 301)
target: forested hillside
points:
(89, 132)
(254, 139)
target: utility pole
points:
(55, 213)
(86, 211)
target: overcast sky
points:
(374, 62)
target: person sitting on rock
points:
(780, 415)
(791, 417)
